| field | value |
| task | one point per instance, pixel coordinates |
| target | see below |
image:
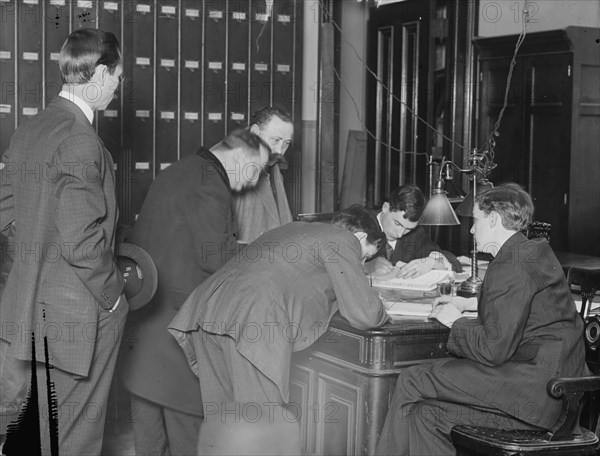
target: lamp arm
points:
(455, 166)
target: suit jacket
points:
(186, 225)
(417, 244)
(257, 211)
(58, 187)
(527, 332)
(278, 295)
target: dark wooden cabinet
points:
(342, 385)
(549, 134)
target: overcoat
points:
(186, 225)
(277, 297)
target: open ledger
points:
(425, 282)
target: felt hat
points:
(139, 272)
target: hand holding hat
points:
(139, 272)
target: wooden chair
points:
(538, 229)
(561, 440)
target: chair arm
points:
(570, 390)
(560, 386)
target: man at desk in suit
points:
(241, 326)
(186, 224)
(408, 246)
(527, 332)
(266, 206)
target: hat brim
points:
(149, 276)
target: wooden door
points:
(398, 43)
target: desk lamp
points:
(439, 211)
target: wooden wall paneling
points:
(57, 20)
(284, 17)
(142, 101)
(85, 14)
(167, 84)
(8, 88)
(549, 109)
(237, 64)
(286, 90)
(30, 56)
(261, 32)
(215, 71)
(191, 76)
(326, 156)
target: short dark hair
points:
(84, 50)
(358, 218)
(511, 202)
(410, 199)
(264, 115)
(245, 139)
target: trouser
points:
(162, 431)
(81, 403)
(425, 408)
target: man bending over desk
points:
(408, 246)
(527, 332)
(239, 328)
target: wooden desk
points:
(576, 260)
(343, 383)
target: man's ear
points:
(254, 129)
(100, 74)
(494, 218)
(385, 208)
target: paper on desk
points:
(425, 282)
(415, 309)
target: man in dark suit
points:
(241, 326)
(408, 246)
(527, 332)
(265, 206)
(58, 192)
(186, 225)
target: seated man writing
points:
(239, 328)
(527, 332)
(408, 247)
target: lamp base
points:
(470, 287)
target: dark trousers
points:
(425, 408)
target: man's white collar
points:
(80, 103)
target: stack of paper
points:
(425, 282)
(415, 309)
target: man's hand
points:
(377, 266)
(448, 309)
(415, 268)
(462, 304)
(446, 314)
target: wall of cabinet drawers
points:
(194, 69)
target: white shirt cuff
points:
(113, 308)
